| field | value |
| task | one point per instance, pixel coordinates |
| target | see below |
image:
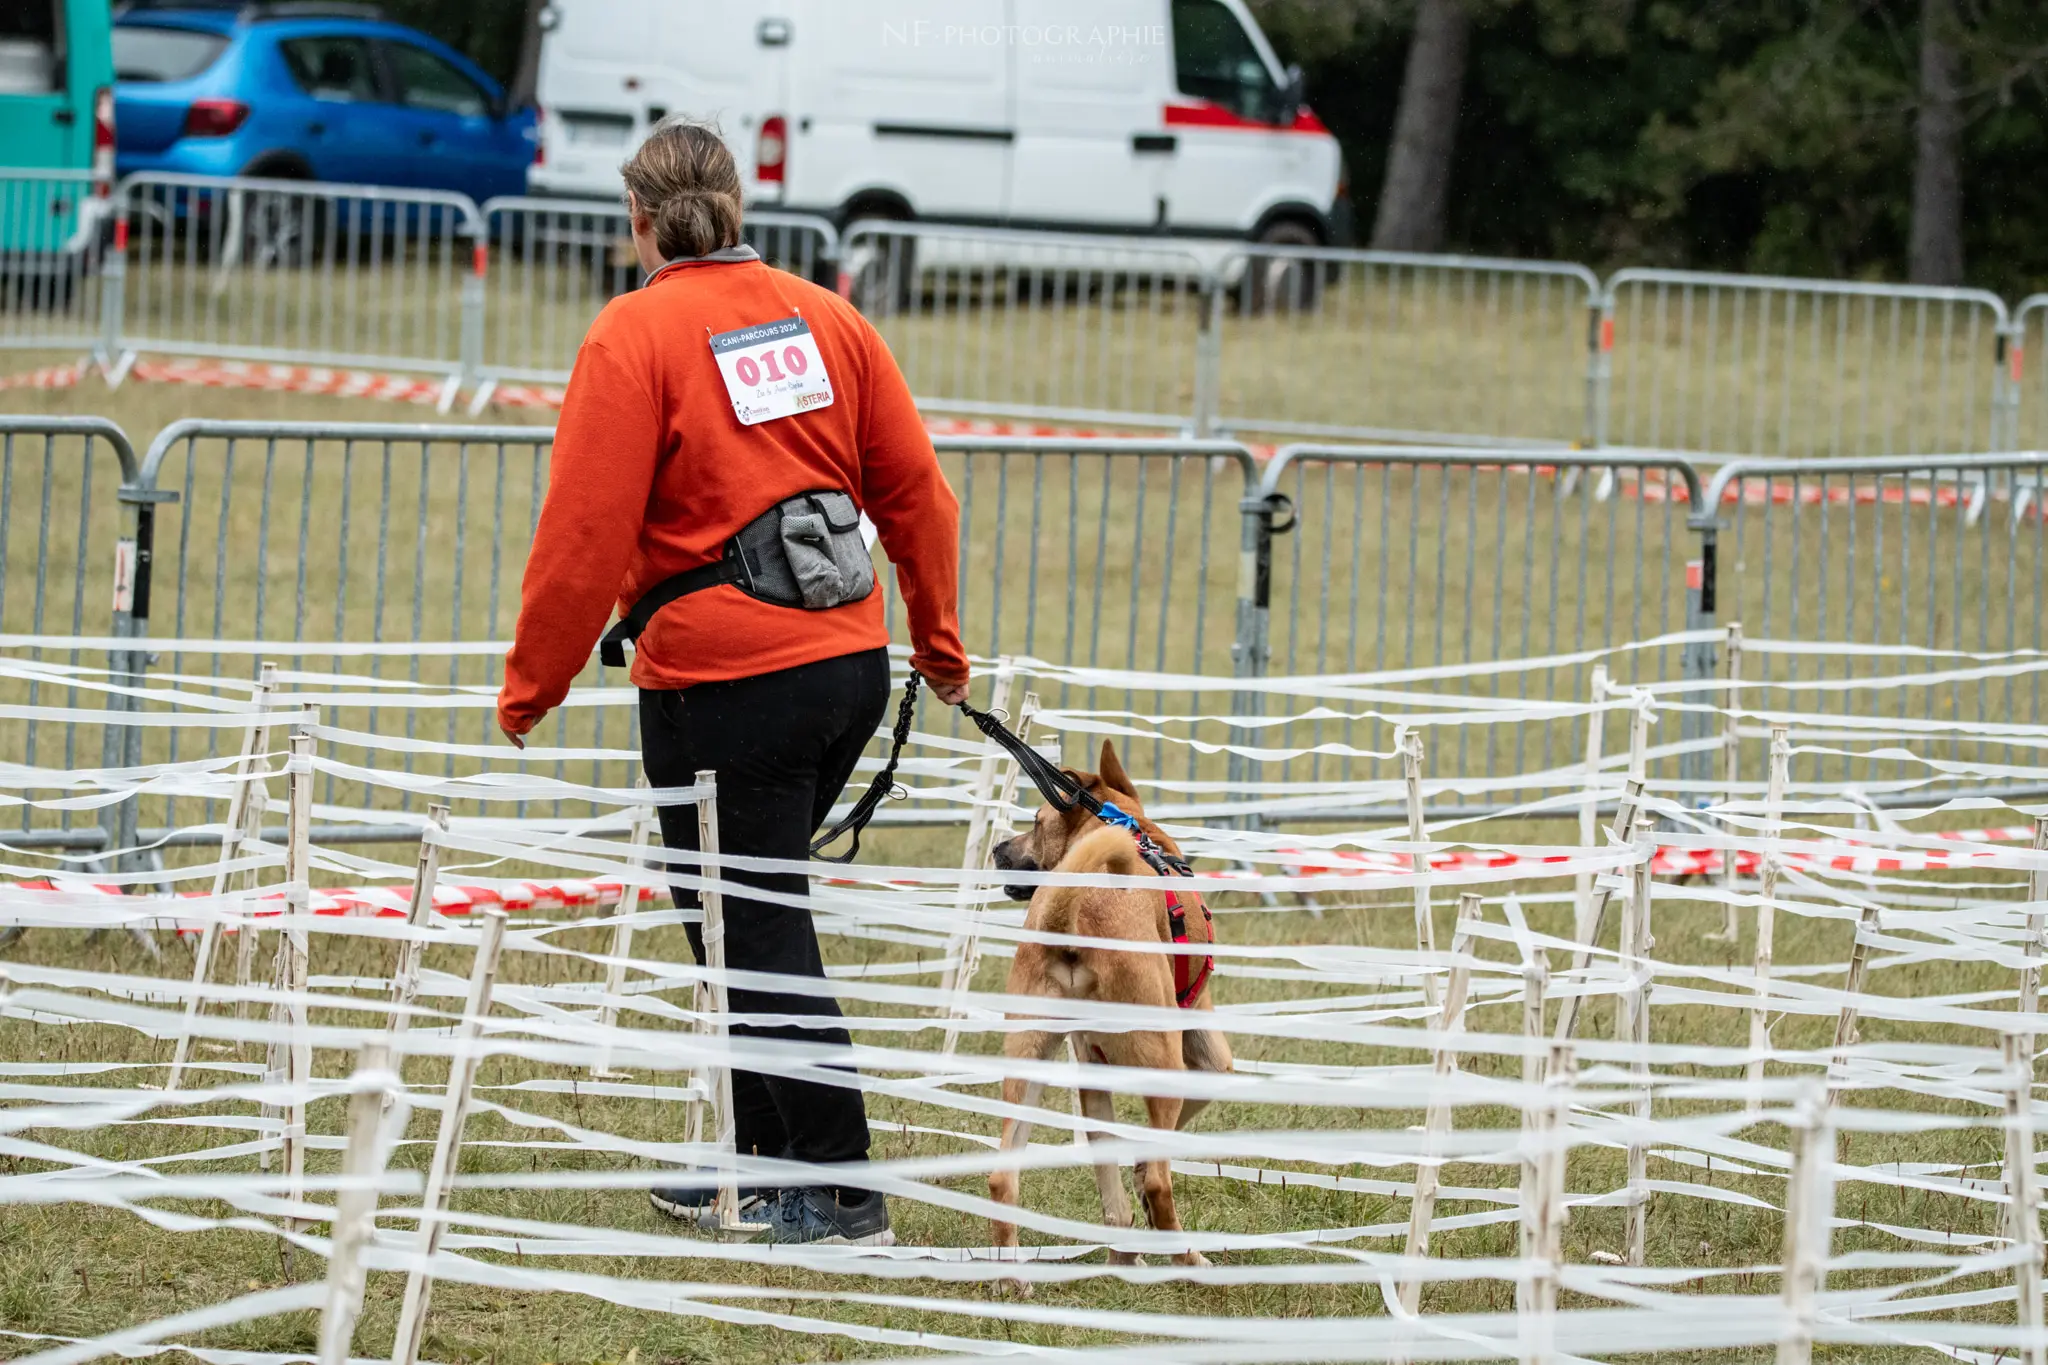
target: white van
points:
(1139, 116)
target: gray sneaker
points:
(699, 1206)
(821, 1217)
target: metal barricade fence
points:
(1375, 345)
(337, 549)
(2027, 417)
(68, 561)
(1104, 553)
(1035, 326)
(555, 263)
(53, 232)
(1420, 560)
(334, 549)
(1948, 553)
(298, 273)
(1753, 365)
(331, 548)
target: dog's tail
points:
(1106, 850)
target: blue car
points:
(309, 91)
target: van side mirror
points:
(1293, 93)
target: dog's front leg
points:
(1100, 1107)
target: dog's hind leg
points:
(1003, 1183)
(1202, 1049)
(1157, 1178)
(1100, 1107)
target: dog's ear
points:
(1113, 776)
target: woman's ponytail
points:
(683, 178)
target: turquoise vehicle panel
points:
(56, 57)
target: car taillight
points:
(540, 136)
(771, 155)
(214, 118)
(103, 141)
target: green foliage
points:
(487, 31)
(1772, 135)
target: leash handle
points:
(1060, 790)
(878, 791)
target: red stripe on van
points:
(1209, 114)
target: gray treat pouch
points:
(827, 555)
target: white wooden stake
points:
(1553, 1141)
(1766, 909)
(1451, 1023)
(972, 899)
(255, 805)
(1846, 1031)
(419, 1286)
(642, 819)
(371, 1136)
(727, 1206)
(1633, 1026)
(405, 975)
(1001, 827)
(1589, 809)
(1425, 929)
(1535, 981)
(295, 955)
(255, 739)
(1731, 754)
(1627, 817)
(1809, 1223)
(2023, 1220)
(2037, 893)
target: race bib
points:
(773, 370)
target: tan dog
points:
(1075, 841)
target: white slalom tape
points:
(1304, 1174)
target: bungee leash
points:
(1058, 786)
(878, 791)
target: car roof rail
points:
(247, 12)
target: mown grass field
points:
(1388, 569)
(75, 1270)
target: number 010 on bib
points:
(773, 370)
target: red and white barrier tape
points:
(391, 902)
(1669, 861)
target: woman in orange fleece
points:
(720, 429)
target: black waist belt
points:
(804, 552)
(611, 651)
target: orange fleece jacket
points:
(652, 474)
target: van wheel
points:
(1284, 284)
(881, 269)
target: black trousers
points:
(783, 745)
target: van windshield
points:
(31, 47)
(1214, 59)
(146, 53)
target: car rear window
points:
(145, 53)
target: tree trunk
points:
(1937, 247)
(526, 76)
(1415, 194)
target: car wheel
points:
(1283, 283)
(281, 229)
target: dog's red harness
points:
(1190, 973)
